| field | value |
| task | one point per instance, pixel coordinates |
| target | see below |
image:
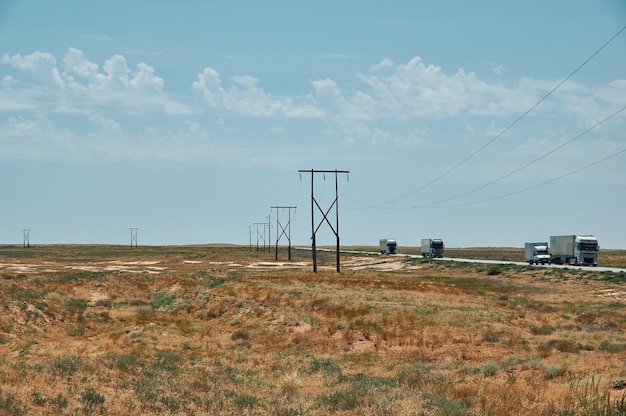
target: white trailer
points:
(537, 253)
(432, 247)
(388, 246)
(574, 249)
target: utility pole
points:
(133, 237)
(260, 236)
(286, 230)
(26, 237)
(314, 204)
(269, 233)
(250, 236)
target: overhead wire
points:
(517, 120)
(527, 164)
(534, 186)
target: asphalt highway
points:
(519, 263)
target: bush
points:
(494, 270)
(490, 369)
(554, 371)
(240, 335)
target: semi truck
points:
(537, 253)
(388, 246)
(574, 249)
(432, 247)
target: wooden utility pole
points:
(314, 204)
(286, 230)
(26, 237)
(133, 237)
(259, 235)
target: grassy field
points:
(223, 330)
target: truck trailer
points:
(537, 253)
(574, 249)
(432, 247)
(388, 246)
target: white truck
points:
(574, 249)
(432, 247)
(537, 253)
(388, 246)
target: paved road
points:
(552, 266)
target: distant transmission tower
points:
(260, 235)
(283, 230)
(133, 237)
(26, 237)
(314, 204)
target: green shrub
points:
(10, 405)
(91, 400)
(494, 270)
(490, 369)
(161, 302)
(555, 370)
(541, 330)
(609, 346)
(66, 365)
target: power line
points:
(506, 128)
(533, 186)
(529, 163)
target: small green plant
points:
(91, 400)
(75, 330)
(10, 405)
(554, 371)
(494, 270)
(217, 282)
(541, 330)
(75, 306)
(490, 369)
(534, 362)
(59, 401)
(66, 365)
(609, 346)
(161, 302)
(327, 366)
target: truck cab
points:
(537, 253)
(388, 246)
(586, 251)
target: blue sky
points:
(483, 123)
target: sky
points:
(484, 123)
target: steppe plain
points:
(229, 330)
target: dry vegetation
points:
(226, 330)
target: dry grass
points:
(225, 330)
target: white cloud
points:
(382, 65)
(246, 97)
(41, 65)
(393, 103)
(83, 87)
(497, 69)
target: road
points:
(518, 263)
